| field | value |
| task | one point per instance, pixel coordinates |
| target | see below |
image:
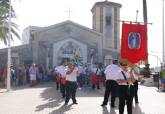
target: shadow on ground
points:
(53, 99)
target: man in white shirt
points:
(111, 73)
(125, 81)
(61, 70)
(71, 82)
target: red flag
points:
(134, 42)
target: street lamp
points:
(156, 57)
(9, 50)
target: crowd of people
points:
(26, 74)
(33, 74)
(118, 79)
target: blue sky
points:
(49, 12)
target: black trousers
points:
(111, 87)
(125, 98)
(63, 90)
(57, 85)
(98, 86)
(71, 88)
(136, 91)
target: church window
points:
(108, 20)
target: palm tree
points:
(4, 19)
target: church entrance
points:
(67, 49)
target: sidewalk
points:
(45, 99)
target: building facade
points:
(53, 44)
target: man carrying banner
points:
(133, 50)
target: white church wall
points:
(26, 36)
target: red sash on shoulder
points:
(95, 79)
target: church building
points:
(52, 44)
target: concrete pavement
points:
(45, 99)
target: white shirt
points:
(80, 68)
(112, 71)
(121, 76)
(72, 76)
(96, 69)
(61, 69)
(136, 73)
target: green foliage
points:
(77, 60)
(4, 22)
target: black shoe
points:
(136, 102)
(103, 105)
(75, 103)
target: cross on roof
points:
(69, 12)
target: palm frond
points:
(4, 19)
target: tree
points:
(4, 19)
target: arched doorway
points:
(64, 50)
(67, 51)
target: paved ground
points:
(44, 99)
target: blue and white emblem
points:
(134, 40)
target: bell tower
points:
(106, 16)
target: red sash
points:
(58, 79)
(63, 81)
(95, 79)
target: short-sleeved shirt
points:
(120, 76)
(72, 76)
(112, 71)
(61, 69)
(136, 73)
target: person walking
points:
(71, 83)
(111, 72)
(126, 88)
(61, 70)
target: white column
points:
(9, 50)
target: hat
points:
(115, 61)
(123, 64)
